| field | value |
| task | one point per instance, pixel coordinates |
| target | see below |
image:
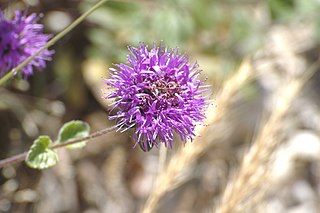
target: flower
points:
(157, 92)
(20, 38)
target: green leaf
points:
(73, 130)
(40, 156)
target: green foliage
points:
(40, 156)
(281, 9)
(223, 29)
(73, 130)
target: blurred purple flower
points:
(156, 93)
(20, 38)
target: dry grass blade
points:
(249, 184)
(172, 176)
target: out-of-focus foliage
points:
(210, 26)
(296, 12)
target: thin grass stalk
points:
(250, 183)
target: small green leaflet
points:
(40, 156)
(73, 130)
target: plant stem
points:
(12, 160)
(89, 137)
(162, 158)
(20, 157)
(9, 75)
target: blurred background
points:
(282, 38)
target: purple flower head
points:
(20, 38)
(157, 92)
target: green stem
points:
(9, 75)
(21, 157)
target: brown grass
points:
(249, 185)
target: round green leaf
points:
(40, 156)
(73, 130)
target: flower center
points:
(163, 92)
(164, 89)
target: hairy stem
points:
(9, 75)
(20, 157)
